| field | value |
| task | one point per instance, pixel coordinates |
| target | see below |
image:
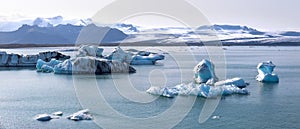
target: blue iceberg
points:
(265, 72)
(205, 73)
(47, 67)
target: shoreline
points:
(287, 44)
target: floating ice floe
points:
(202, 90)
(139, 58)
(205, 84)
(58, 113)
(265, 72)
(16, 60)
(45, 117)
(146, 58)
(80, 115)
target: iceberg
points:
(86, 50)
(17, 60)
(120, 55)
(265, 72)
(91, 65)
(80, 115)
(89, 60)
(146, 58)
(47, 67)
(239, 82)
(205, 84)
(139, 58)
(204, 72)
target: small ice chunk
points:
(215, 117)
(43, 117)
(58, 113)
(81, 115)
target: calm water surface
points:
(25, 93)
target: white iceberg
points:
(81, 115)
(88, 50)
(265, 72)
(58, 113)
(120, 55)
(205, 84)
(139, 58)
(239, 82)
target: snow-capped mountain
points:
(6, 26)
(127, 28)
(60, 34)
(60, 30)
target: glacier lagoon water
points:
(25, 93)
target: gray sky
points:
(261, 14)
